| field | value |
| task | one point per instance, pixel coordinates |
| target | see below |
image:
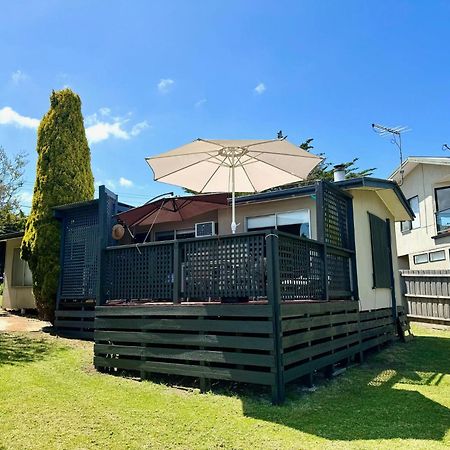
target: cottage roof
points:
(12, 235)
(388, 191)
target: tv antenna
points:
(445, 147)
(395, 133)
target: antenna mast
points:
(396, 138)
(445, 147)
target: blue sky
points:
(154, 75)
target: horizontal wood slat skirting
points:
(75, 320)
(236, 342)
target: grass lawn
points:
(50, 397)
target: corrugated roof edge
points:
(13, 235)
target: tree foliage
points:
(325, 170)
(11, 181)
(63, 175)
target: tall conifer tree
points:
(63, 175)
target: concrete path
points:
(11, 322)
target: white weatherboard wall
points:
(422, 181)
(15, 297)
(364, 202)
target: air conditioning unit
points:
(205, 229)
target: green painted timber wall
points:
(236, 342)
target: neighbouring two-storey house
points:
(424, 243)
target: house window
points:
(422, 258)
(164, 235)
(174, 234)
(380, 252)
(293, 222)
(437, 256)
(442, 209)
(412, 224)
(21, 273)
(185, 234)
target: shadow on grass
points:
(374, 401)
(20, 349)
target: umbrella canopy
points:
(173, 209)
(233, 165)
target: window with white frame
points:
(21, 273)
(412, 224)
(293, 222)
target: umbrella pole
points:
(233, 200)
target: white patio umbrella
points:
(233, 166)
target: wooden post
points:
(176, 272)
(105, 218)
(396, 326)
(351, 232)
(320, 220)
(102, 242)
(274, 297)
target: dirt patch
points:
(11, 322)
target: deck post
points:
(321, 234)
(274, 298)
(107, 208)
(176, 272)
(102, 242)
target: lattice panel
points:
(225, 267)
(301, 269)
(336, 218)
(144, 273)
(339, 281)
(80, 257)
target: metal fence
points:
(427, 294)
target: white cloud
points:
(200, 103)
(260, 88)
(10, 117)
(18, 76)
(97, 128)
(125, 183)
(165, 85)
(139, 127)
(101, 131)
(102, 128)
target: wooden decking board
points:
(212, 309)
(214, 356)
(246, 376)
(205, 340)
(243, 326)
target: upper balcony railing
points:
(224, 268)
